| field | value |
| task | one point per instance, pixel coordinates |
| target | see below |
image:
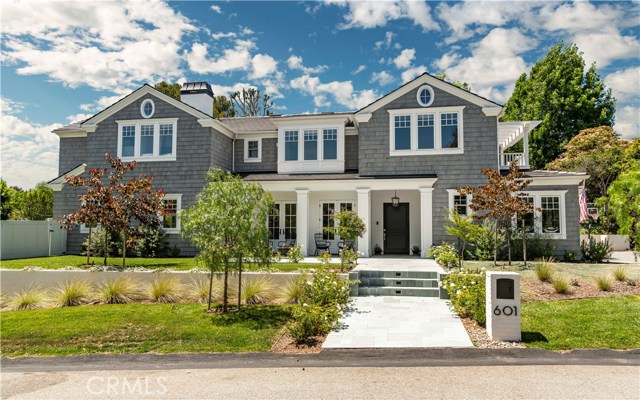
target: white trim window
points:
(461, 203)
(425, 95)
(252, 150)
(329, 144)
(147, 140)
(172, 204)
(311, 148)
(147, 108)
(291, 145)
(426, 132)
(549, 217)
(310, 144)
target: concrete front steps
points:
(396, 283)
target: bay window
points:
(426, 131)
(147, 140)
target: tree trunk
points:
(524, 242)
(89, 245)
(106, 246)
(342, 255)
(210, 287)
(460, 253)
(124, 247)
(495, 246)
(239, 282)
(509, 242)
(225, 296)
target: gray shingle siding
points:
(73, 152)
(269, 161)
(351, 152)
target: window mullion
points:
(414, 132)
(137, 140)
(156, 140)
(436, 132)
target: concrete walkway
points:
(624, 257)
(389, 321)
(397, 263)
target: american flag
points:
(584, 213)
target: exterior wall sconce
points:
(395, 200)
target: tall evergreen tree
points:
(564, 97)
(223, 107)
(170, 89)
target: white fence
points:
(617, 242)
(23, 239)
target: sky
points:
(62, 61)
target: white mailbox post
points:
(503, 306)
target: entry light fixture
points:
(395, 200)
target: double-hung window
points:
(311, 144)
(147, 140)
(548, 217)
(550, 206)
(252, 149)
(291, 145)
(171, 215)
(429, 131)
(459, 202)
(330, 144)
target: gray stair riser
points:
(399, 274)
(399, 282)
(391, 291)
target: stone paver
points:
(397, 263)
(389, 321)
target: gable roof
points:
(57, 183)
(491, 107)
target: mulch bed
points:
(480, 338)
(534, 290)
(286, 344)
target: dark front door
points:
(396, 228)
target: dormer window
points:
(316, 147)
(147, 108)
(425, 95)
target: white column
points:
(526, 148)
(426, 220)
(364, 212)
(302, 220)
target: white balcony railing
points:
(506, 158)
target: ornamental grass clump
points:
(561, 284)
(27, 299)
(604, 283)
(164, 290)
(322, 299)
(291, 292)
(73, 293)
(620, 273)
(257, 291)
(544, 271)
(121, 290)
(467, 293)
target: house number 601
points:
(506, 311)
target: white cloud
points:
(262, 65)
(119, 44)
(405, 58)
(216, 8)
(382, 78)
(341, 91)
(28, 152)
(360, 68)
(628, 121)
(223, 35)
(236, 58)
(78, 117)
(580, 16)
(102, 103)
(607, 45)
(495, 62)
(295, 62)
(386, 43)
(412, 72)
(372, 14)
(625, 84)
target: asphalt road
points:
(370, 374)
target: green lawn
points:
(139, 328)
(180, 263)
(606, 322)
(577, 270)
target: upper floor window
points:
(147, 140)
(425, 95)
(252, 150)
(313, 147)
(291, 145)
(147, 108)
(311, 144)
(416, 132)
(330, 144)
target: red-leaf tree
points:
(119, 206)
(500, 199)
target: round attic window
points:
(425, 96)
(147, 108)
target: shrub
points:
(620, 273)
(377, 250)
(484, 242)
(569, 256)
(151, 243)
(292, 290)
(321, 301)
(595, 251)
(350, 256)
(122, 290)
(544, 271)
(561, 284)
(294, 255)
(445, 254)
(257, 291)
(604, 283)
(325, 258)
(164, 289)
(27, 299)
(73, 293)
(467, 293)
(114, 243)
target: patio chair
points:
(347, 243)
(285, 245)
(321, 243)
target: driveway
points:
(389, 321)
